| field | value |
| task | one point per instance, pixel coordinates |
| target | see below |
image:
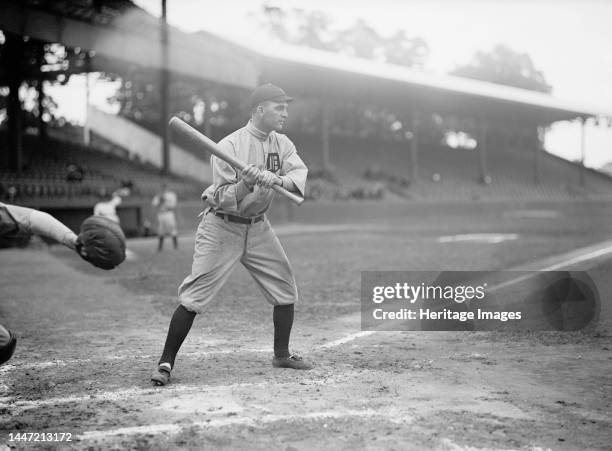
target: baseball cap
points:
(268, 92)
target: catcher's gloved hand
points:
(7, 344)
(101, 242)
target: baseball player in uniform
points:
(235, 229)
(165, 202)
(108, 207)
(17, 223)
(93, 244)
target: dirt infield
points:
(89, 339)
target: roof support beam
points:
(482, 152)
(414, 149)
(325, 132)
(537, 149)
(164, 81)
(14, 49)
(582, 151)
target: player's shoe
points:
(161, 375)
(292, 361)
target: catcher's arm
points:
(43, 224)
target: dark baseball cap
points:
(268, 92)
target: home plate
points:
(218, 403)
(491, 238)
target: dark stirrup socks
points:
(183, 319)
(283, 320)
(179, 328)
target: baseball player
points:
(235, 229)
(7, 344)
(108, 207)
(165, 202)
(17, 223)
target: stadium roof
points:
(124, 36)
(312, 71)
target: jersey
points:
(165, 201)
(274, 152)
(108, 209)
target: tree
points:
(504, 66)
(406, 51)
(32, 62)
(139, 99)
(361, 40)
(314, 29)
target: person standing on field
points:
(165, 203)
(235, 229)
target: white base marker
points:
(492, 238)
(233, 421)
(343, 340)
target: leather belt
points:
(239, 219)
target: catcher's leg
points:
(7, 344)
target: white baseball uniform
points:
(166, 203)
(233, 231)
(108, 208)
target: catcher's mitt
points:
(7, 344)
(101, 242)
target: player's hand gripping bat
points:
(200, 140)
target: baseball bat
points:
(200, 140)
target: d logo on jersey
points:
(273, 162)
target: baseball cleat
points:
(292, 361)
(160, 376)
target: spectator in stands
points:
(165, 203)
(11, 193)
(108, 206)
(74, 173)
(127, 184)
(146, 227)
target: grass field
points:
(89, 339)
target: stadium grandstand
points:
(367, 130)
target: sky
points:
(569, 40)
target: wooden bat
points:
(200, 140)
